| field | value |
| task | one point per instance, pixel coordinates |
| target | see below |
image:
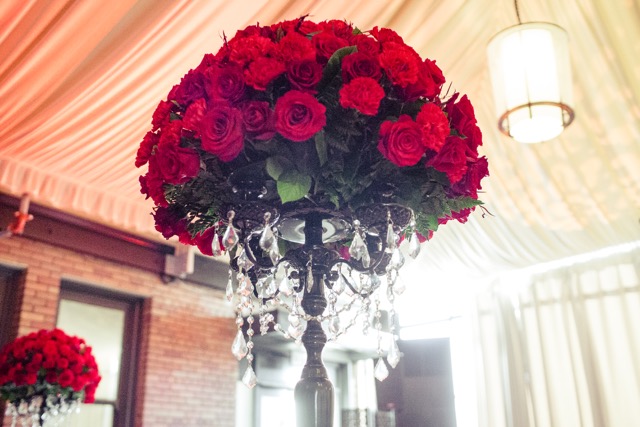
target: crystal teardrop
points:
(391, 238)
(334, 324)
(244, 263)
(230, 237)
(295, 331)
(365, 258)
(397, 259)
(285, 286)
(293, 319)
(414, 245)
(374, 281)
(267, 238)
(216, 249)
(249, 378)
(399, 287)
(381, 372)
(239, 347)
(357, 246)
(229, 290)
(393, 357)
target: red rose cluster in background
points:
(364, 98)
(47, 362)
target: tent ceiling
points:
(79, 81)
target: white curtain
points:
(561, 348)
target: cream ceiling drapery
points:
(79, 81)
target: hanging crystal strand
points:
(358, 249)
(414, 242)
(394, 355)
(334, 317)
(239, 347)
(365, 322)
(380, 371)
(339, 284)
(391, 239)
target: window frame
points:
(124, 407)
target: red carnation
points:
(263, 71)
(299, 115)
(194, 114)
(146, 148)
(367, 45)
(401, 141)
(244, 50)
(400, 63)
(362, 93)
(66, 378)
(162, 115)
(221, 132)
(434, 125)
(294, 47)
(451, 159)
(386, 35)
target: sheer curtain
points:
(561, 348)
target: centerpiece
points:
(46, 375)
(309, 152)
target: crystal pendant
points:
(295, 331)
(215, 245)
(394, 354)
(339, 285)
(310, 280)
(334, 324)
(249, 378)
(414, 245)
(381, 372)
(293, 320)
(399, 287)
(229, 290)
(239, 347)
(284, 286)
(397, 259)
(266, 287)
(272, 287)
(357, 246)
(244, 263)
(391, 238)
(267, 238)
(365, 258)
(274, 253)
(230, 237)
(374, 281)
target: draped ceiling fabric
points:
(79, 81)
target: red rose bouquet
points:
(325, 111)
(48, 366)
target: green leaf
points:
(321, 148)
(293, 185)
(276, 165)
(333, 65)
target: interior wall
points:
(186, 372)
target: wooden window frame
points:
(125, 404)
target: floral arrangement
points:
(328, 112)
(48, 363)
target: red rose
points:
(191, 87)
(66, 378)
(340, 28)
(263, 71)
(204, 241)
(152, 184)
(401, 141)
(386, 35)
(169, 222)
(171, 134)
(451, 159)
(362, 93)
(470, 182)
(367, 45)
(221, 132)
(259, 121)
(299, 115)
(162, 115)
(50, 350)
(360, 65)
(145, 149)
(400, 64)
(461, 113)
(194, 114)
(304, 75)
(31, 378)
(326, 44)
(63, 363)
(225, 83)
(434, 125)
(50, 363)
(294, 47)
(177, 164)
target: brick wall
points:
(186, 374)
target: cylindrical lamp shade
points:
(531, 77)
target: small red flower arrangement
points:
(48, 363)
(329, 112)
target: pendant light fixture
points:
(531, 78)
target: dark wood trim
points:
(125, 406)
(81, 235)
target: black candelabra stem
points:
(314, 392)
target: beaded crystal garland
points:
(40, 411)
